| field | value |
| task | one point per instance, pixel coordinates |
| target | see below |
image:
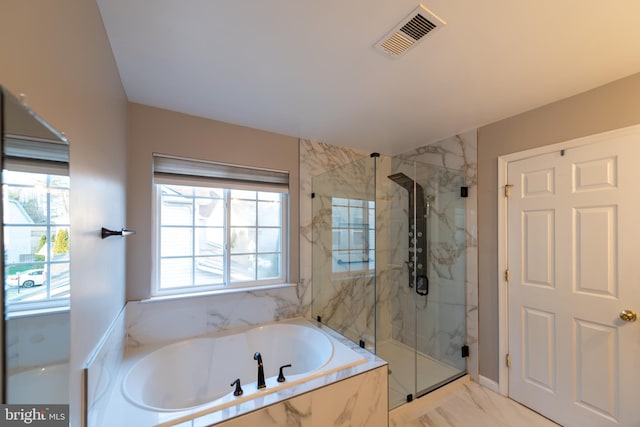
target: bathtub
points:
(195, 375)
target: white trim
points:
(490, 384)
(40, 311)
(503, 163)
(227, 285)
(503, 314)
(573, 143)
(221, 291)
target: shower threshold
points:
(431, 374)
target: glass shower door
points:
(396, 310)
(441, 313)
(421, 280)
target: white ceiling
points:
(308, 68)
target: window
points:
(218, 226)
(353, 235)
(36, 239)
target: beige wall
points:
(57, 52)
(153, 130)
(608, 107)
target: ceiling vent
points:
(420, 22)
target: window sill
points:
(36, 312)
(224, 291)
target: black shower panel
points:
(417, 215)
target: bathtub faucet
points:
(261, 383)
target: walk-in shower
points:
(389, 266)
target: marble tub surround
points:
(166, 320)
(156, 322)
(358, 401)
(101, 369)
(42, 384)
(36, 340)
(122, 412)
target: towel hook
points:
(123, 233)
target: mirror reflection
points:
(35, 230)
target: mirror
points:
(35, 237)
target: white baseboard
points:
(490, 384)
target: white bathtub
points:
(197, 373)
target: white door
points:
(574, 264)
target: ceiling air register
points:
(420, 22)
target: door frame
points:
(503, 292)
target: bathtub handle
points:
(281, 377)
(238, 391)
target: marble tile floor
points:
(465, 403)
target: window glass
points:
(36, 240)
(353, 235)
(216, 237)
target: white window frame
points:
(51, 159)
(169, 170)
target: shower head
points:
(402, 180)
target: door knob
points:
(628, 315)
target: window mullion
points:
(47, 261)
(255, 254)
(227, 237)
(193, 237)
